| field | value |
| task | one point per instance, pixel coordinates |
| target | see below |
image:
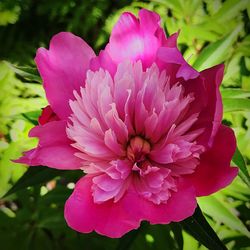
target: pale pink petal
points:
(54, 149)
(117, 125)
(214, 171)
(111, 142)
(63, 68)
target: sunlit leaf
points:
(234, 93)
(236, 104)
(220, 212)
(217, 52)
(230, 9)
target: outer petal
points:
(207, 103)
(214, 171)
(180, 205)
(135, 39)
(116, 219)
(63, 68)
(54, 148)
(214, 109)
(108, 218)
(169, 54)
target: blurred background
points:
(211, 32)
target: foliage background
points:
(212, 32)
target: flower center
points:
(137, 149)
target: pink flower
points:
(143, 125)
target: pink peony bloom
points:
(143, 125)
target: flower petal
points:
(47, 115)
(54, 148)
(104, 61)
(213, 112)
(179, 206)
(63, 68)
(214, 171)
(108, 218)
(171, 55)
(116, 219)
(207, 103)
(135, 39)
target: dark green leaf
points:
(127, 240)
(177, 230)
(32, 116)
(199, 228)
(27, 73)
(240, 162)
(33, 176)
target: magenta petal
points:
(125, 40)
(108, 218)
(149, 21)
(54, 148)
(180, 205)
(136, 38)
(104, 61)
(171, 42)
(63, 68)
(171, 55)
(214, 171)
(213, 112)
(116, 219)
(208, 103)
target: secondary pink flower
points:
(142, 124)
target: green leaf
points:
(32, 116)
(177, 230)
(199, 228)
(27, 73)
(40, 240)
(9, 16)
(239, 161)
(127, 240)
(214, 206)
(163, 236)
(190, 242)
(216, 52)
(230, 9)
(236, 104)
(33, 176)
(234, 93)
